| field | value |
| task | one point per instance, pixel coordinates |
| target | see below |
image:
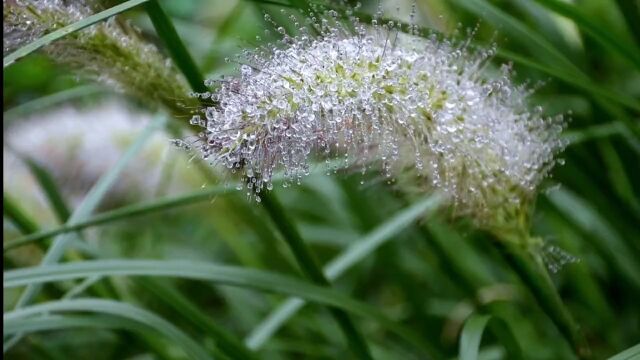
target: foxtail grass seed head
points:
(111, 51)
(371, 94)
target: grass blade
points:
(21, 221)
(632, 353)
(48, 185)
(167, 32)
(604, 238)
(341, 263)
(119, 309)
(535, 277)
(601, 35)
(127, 212)
(631, 13)
(60, 33)
(518, 30)
(311, 269)
(471, 336)
(47, 101)
(91, 201)
(195, 270)
(174, 299)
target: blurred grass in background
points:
(402, 260)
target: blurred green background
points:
(430, 274)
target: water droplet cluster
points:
(109, 51)
(555, 258)
(373, 95)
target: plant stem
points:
(167, 32)
(308, 265)
(537, 280)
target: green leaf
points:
(310, 268)
(632, 353)
(195, 270)
(351, 256)
(604, 237)
(115, 308)
(471, 337)
(91, 201)
(514, 28)
(127, 212)
(595, 29)
(17, 216)
(50, 188)
(47, 101)
(174, 299)
(69, 29)
(597, 91)
(167, 32)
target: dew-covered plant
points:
(111, 52)
(434, 116)
(424, 109)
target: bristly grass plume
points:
(111, 52)
(420, 107)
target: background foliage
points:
(93, 168)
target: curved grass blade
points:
(471, 336)
(174, 299)
(310, 268)
(528, 266)
(60, 33)
(632, 353)
(91, 201)
(601, 35)
(580, 83)
(343, 262)
(21, 221)
(604, 237)
(631, 13)
(127, 212)
(118, 309)
(528, 37)
(167, 32)
(48, 185)
(47, 101)
(195, 270)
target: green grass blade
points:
(120, 309)
(586, 85)
(632, 353)
(351, 256)
(174, 299)
(59, 322)
(50, 188)
(195, 270)
(631, 12)
(308, 264)
(91, 201)
(167, 32)
(12, 211)
(604, 237)
(471, 336)
(536, 279)
(600, 34)
(60, 33)
(577, 136)
(47, 101)
(127, 212)
(518, 30)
